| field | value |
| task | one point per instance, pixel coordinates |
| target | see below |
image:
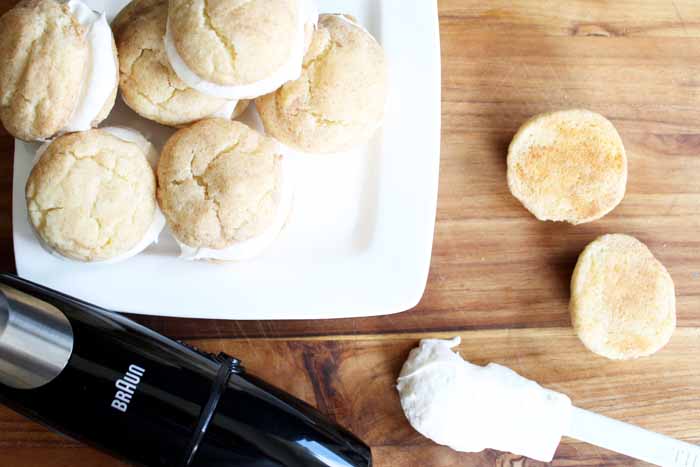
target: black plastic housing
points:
(253, 423)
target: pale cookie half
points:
(91, 195)
(338, 102)
(623, 302)
(219, 184)
(148, 83)
(568, 166)
(43, 56)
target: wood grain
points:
(352, 380)
(620, 18)
(498, 276)
(494, 265)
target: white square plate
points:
(358, 241)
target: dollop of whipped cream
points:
(151, 235)
(471, 408)
(252, 247)
(290, 71)
(101, 77)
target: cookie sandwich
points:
(58, 68)
(225, 189)
(148, 83)
(91, 196)
(338, 101)
(237, 49)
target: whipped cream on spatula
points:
(471, 408)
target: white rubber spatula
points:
(631, 440)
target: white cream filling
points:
(470, 408)
(354, 23)
(40, 151)
(132, 136)
(151, 235)
(290, 71)
(101, 77)
(254, 246)
(227, 110)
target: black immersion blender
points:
(112, 383)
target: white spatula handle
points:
(632, 441)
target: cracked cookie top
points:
(219, 183)
(43, 58)
(338, 101)
(91, 195)
(148, 83)
(234, 42)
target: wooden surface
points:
(352, 379)
(498, 276)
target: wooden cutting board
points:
(499, 278)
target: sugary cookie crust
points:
(623, 301)
(218, 183)
(91, 196)
(568, 166)
(338, 101)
